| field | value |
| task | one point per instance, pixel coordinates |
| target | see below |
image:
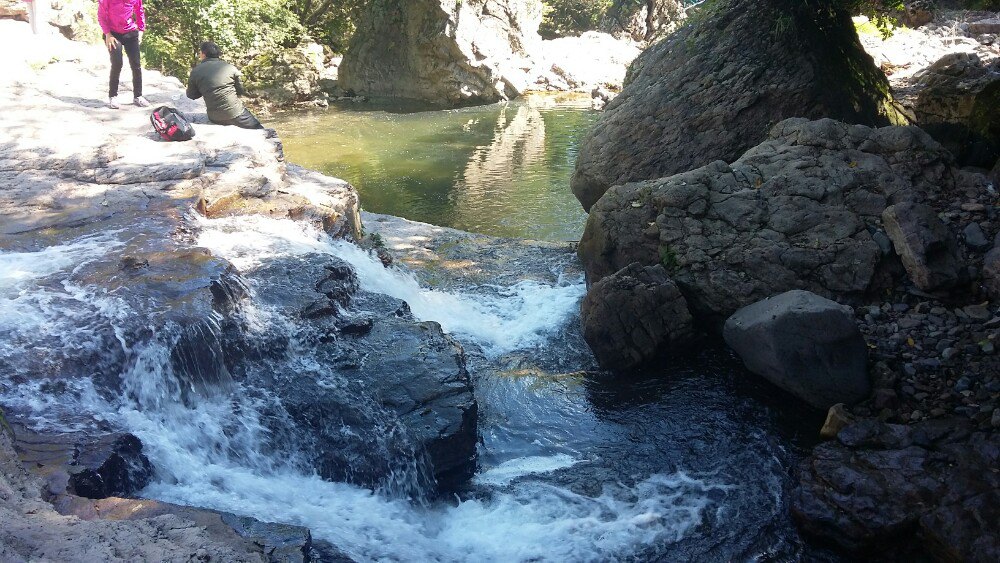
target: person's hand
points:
(110, 42)
(140, 36)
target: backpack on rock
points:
(171, 124)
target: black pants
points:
(245, 120)
(130, 41)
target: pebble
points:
(995, 421)
(900, 307)
(962, 384)
(987, 347)
(948, 353)
(977, 313)
(916, 415)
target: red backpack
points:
(171, 124)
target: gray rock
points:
(789, 214)
(927, 248)
(633, 316)
(713, 89)
(443, 52)
(990, 25)
(974, 237)
(805, 344)
(957, 106)
(643, 21)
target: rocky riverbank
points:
(897, 223)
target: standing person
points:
(123, 23)
(219, 82)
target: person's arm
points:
(102, 16)
(238, 83)
(140, 18)
(192, 89)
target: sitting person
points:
(219, 82)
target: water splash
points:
(500, 319)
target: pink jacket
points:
(121, 16)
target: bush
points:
(243, 29)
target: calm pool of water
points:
(501, 169)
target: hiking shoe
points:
(113, 102)
(141, 102)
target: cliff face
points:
(444, 53)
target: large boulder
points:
(929, 251)
(633, 316)
(443, 52)
(288, 76)
(931, 487)
(714, 89)
(957, 105)
(801, 211)
(805, 344)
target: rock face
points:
(802, 210)
(805, 344)
(14, 10)
(929, 251)
(931, 487)
(714, 89)
(957, 106)
(635, 315)
(444, 53)
(643, 21)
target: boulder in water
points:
(444, 53)
(805, 344)
(635, 315)
(713, 89)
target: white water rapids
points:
(206, 453)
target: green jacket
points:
(219, 82)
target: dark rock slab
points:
(633, 316)
(805, 344)
(931, 487)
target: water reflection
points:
(502, 169)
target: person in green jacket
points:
(219, 83)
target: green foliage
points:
(243, 29)
(572, 17)
(668, 257)
(330, 22)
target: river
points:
(689, 460)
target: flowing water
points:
(689, 461)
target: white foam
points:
(509, 470)
(509, 318)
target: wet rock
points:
(283, 543)
(957, 106)
(925, 245)
(770, 222)
(445, 53)
(87, 465)
(635, 315)
(805, 344)
(712, 90)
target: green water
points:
(501, 170)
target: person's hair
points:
(211, 50)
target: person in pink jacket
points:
(123, 23)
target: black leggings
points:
(130, 41)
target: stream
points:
(687, 461)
